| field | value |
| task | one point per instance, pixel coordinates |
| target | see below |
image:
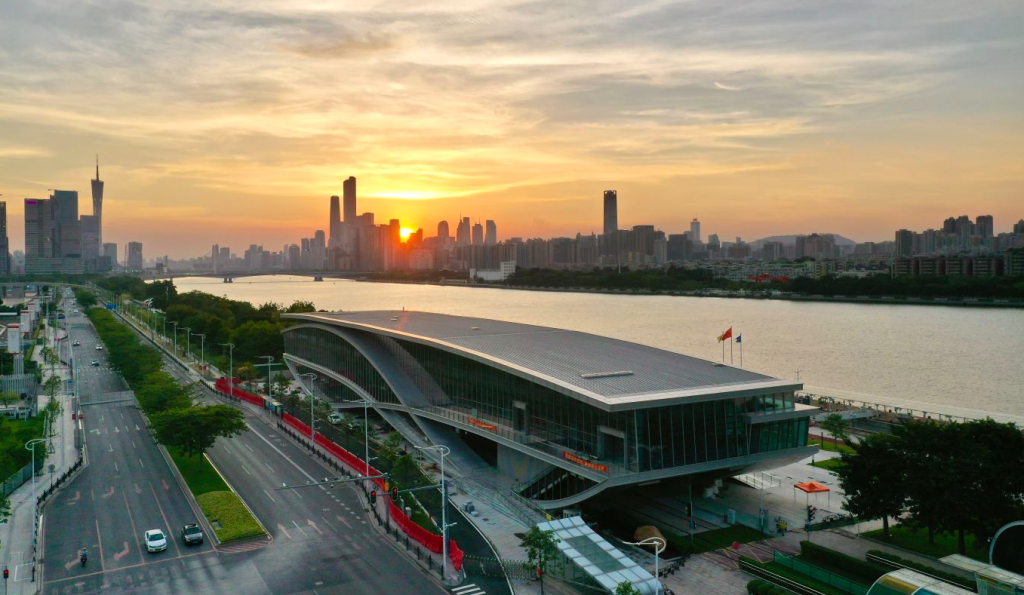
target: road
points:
(322, 543)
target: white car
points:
(156, 541)
(334, 418)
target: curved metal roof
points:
(613, 372)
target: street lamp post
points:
(269, 365)
(175, 323)
(202, 351)
(31, 445)
(659, 546)
(366, 432)
(231, 361)
(444, 450)
(312, 398)
(188, 342)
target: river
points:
(960, 360)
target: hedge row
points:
(856, 569)
(937, 573)
(760, 587)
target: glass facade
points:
(475, 394)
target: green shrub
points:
(936, 572)
(856, 569)
(761, 587)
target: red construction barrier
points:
(431, 541)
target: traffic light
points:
(373, 497)
(394, 493)
(7, 573)
(810, 513)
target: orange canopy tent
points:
(812, 487)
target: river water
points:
(955, 360)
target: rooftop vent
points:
(594, 375)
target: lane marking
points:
(135, 530)
(343, 521)
(138, 490)
(296, 492)
(168, 525)
(314, 527)
(226, 449)
(329, 524)
(108, 493)
(250, 448)
(133, 444)
(141, 463)
(299, 528)
(81, 576)
(123, 552)
(281, 528)
(99, 540)
(269, 467)
(164, 481)
(269, 496)
(244, 468)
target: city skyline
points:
(800, 118)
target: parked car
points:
(99, 348)
(95, 362)
(76, 343)
(191, 534)
(334, 418)
(156, 541)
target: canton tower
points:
(97, 201)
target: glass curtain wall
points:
(644, 440)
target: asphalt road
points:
(323, 542)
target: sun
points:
(405, 232)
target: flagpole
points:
(723, 351)
(741, 354)
(730, 347)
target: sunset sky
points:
(217, 123)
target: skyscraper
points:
(67, 229)
(5, 248)
(110, 250)
(97, 203)
(984, 226)
(491, 234)
(133, 260)
(442, 231)
(904, 243)
(478, 234)
(349, 191)
(462, 237)
(38, 228)
(611, 211)
(335, 223)
(695, 231)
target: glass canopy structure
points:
(567, 414)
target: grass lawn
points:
(829, 446)
(199, 474)
(218, 502)
(917, 541)
(721, 538)
(227, 509)
(829, 464)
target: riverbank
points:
(766, 296)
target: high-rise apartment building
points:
(491, 233)
(611, 211)
(5, 248)
(442, 231)
(38, 228)
(904, 243)
(90, 242)
(984, 226)
(349, 192)
(695, 231)
(478, 234)
(133, 258)
(97, 203)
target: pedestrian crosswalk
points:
(470, 589)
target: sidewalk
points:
(17, 539)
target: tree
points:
(874, 479)
(836, 425)
(626, 588)
(257, 338)
(541, 548)
(193, 430)
(8, 397)
(300, 306)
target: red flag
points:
(726, 335)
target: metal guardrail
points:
(824, 576)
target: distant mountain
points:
(790, 240)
